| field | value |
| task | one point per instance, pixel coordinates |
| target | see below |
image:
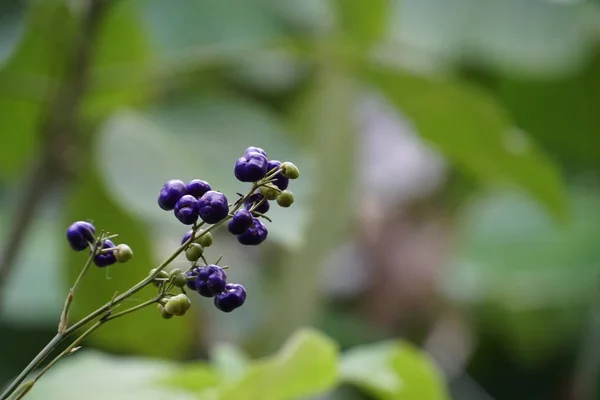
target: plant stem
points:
(64, 316)
(31, 366)
(106, 308)
(77, 341)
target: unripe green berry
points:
(269, 191)
(180, 280)
(173, 306)
(174, 272)
(205, 240)
(178, 305)
(158, 279)
(163, 312)
(289, 170)
(285, 199)
(123, 253)
(194, 252)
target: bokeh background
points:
(449, 196)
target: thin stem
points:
(132, 309)
(77, 341)
(64, 316)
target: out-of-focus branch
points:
(59, 136)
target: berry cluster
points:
(196, 200)
(82, 234)
(197, 204)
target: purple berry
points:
(233, 297)
(79, 234)
(185, 210)
(191, 284)
(253, 200)
(170, 194)
(253, 149)
(240, 222)
(105, 259)
(251, 168)
(197, 188)
(279, 180)
(255, 235)
(212, 207)
(211, 280)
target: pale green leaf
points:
(95, 376)
(305, 366)
(393, 370)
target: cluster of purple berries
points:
(196, 200)
(211, 281)
(82, 234)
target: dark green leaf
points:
(474, 133)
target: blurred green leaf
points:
(181, 28)
(229, 360)
(362, 21)
(548, 108)
(96, 376)
(27, 78)
(143, 332)
(195, 377)
(393, 370)
(473, 132)
(522, 276)
(305, 366)
(122, 63)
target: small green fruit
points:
(269, 191)
(285, 199)
(289, 170)
(194, 252)
(159, 278)
(180, 280)
(163, 312)
(173, 272)
(123, 253)
(178, 305)
(205, 240)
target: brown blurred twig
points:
(58, 132)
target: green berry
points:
(178, 305)
(289, 170)
(194, 252)
(180, 280)
(163, 312)
(285, 199)
(173, 272)
(269, 191)
(205, 240)
(123, 253)
(158, 278)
